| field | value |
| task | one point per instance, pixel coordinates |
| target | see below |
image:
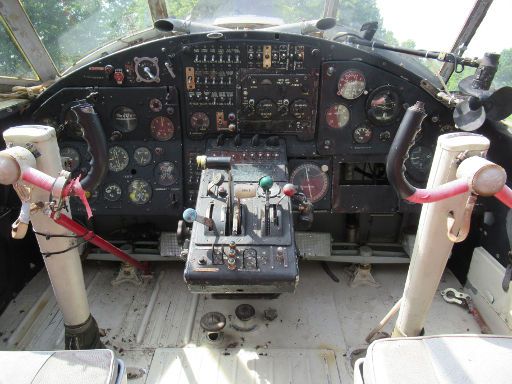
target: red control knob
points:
(289, 190)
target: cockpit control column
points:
(242, 235)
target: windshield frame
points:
(38, 58)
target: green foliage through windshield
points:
(71, 29)
(12, 62)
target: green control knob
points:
(266, 183)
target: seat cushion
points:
(446, 359)
(97, 366)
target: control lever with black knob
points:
(237, 140)
(272, 141)
(255, 140)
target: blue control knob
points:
(190, 215)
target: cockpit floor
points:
(324, 321)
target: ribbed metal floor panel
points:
(321, 315)
(272, 366)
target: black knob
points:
(238, 140)
(245, 312)
(255, 140)
(272, 141)
(221, 139)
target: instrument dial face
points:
(118, 159)
(421, 157)
(112, 192)
(311, 180)
(266, 108)
(146, 69)
(72, 127)
(155, 105)
(362, 135)
(351, 84)
(125, 119)
(337, 116)
(162, 128)
(70, 158)
(139, 192)
(383, 105)
(165, 173)
(199, 121)
(299, 108)
(142, 156)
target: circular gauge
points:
(70, 159)
(162, 128)
(72, 127)
(139, 191)
(266, 108)
(311, 180)
(362, 135)
(351, 84)
(124, 119)
(165, 173)
(421, 157)
(146, 69)
(383, 105)
(337, 116)
(199, 121)
(299, 108)
(118, 159)
(155, 105)
(112, 192)
(142, 156)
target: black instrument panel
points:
(336, 107)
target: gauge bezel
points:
(334, 106)
(413, 164)
(325, 187)
(169, 132)
(141, 78)
(397, 111)
(339, 91)
(119, 126)
(135, 156)
(203, 127)
(118, 187)
(365, 126)
(110, 168)
(138, 202)
(159, 179)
